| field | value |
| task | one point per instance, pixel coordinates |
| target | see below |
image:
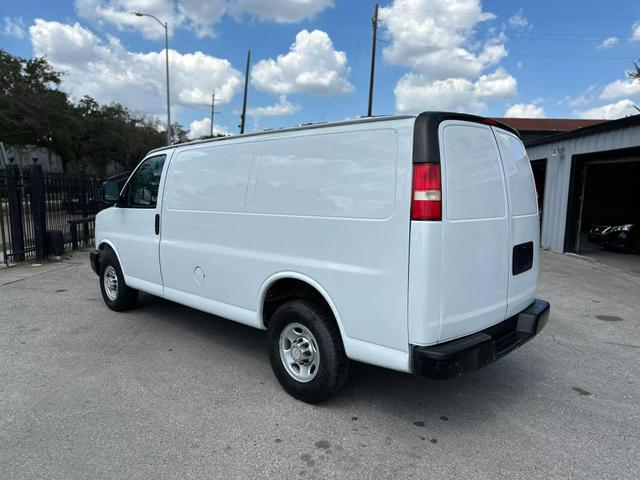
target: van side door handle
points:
(157, 224)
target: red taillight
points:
(426, 198)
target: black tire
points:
(333, 366)
(126, 297)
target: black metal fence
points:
(41, 210)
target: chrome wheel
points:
(299, 352)
(110, 280)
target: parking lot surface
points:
(165, 391)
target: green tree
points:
(111, 133)
(636, 72)
(33, 111)
(178, 134)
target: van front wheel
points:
(116, 294)
(306, 351)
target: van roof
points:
(306, 126)
(433, 118)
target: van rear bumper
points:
(453, 358)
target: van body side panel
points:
(202, 237)
(475, 224)
(425, 282)
(331, 204)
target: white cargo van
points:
(405, 242)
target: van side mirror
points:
(110, 192)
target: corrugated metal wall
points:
(558, 175)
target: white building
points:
(586, 177)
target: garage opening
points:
(539, 168)
(603, 219)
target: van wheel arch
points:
(285, 289)
(104, 247)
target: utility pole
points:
(166, 52)
(374, 22)
(246, 85)
(213, 102)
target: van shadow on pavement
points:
(476, 395)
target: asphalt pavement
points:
(165, 391)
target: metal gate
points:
(33, 204)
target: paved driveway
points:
(167, 392)
(627, 262)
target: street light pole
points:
(166, 51)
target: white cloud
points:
(525, 110)
(13, 27)
(282, 11)
(118, 13)
(621, 88)
(436, 40)
(200, 16)
(415, 92)
(586, 97)
(608, 42)
(109, 73)
(519, 21)
(619, 109)
(433, 37)
(201, 128)
(635, 32)
(498, 84)
(312, 66)
(281, 107)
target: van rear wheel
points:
(115, 293)
(306, 351)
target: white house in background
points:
(31, 155)
(48, 160)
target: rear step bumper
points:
(453, 358)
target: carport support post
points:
(15, 213)
(38, 211)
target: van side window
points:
(142, 189)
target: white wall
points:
(23, 157)
(51, 162)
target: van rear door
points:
(475, 230)
(523, 222)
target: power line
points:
(525, 55)
(478, 14)
(536, 34)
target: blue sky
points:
(543, 58)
